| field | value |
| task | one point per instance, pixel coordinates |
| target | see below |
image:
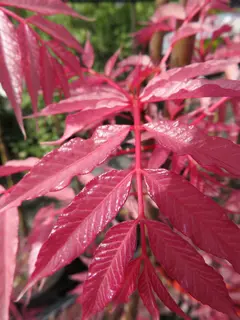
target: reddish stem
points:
(211, 109)
(138, 168)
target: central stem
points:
(138, 169)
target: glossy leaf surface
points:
(107, 270)
(15, 166)
(208, 151)
(47, 77)
(55, 170)
(182, 263)
(88, 54)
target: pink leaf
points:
(10, 66)
(199, 88)
(15, 166)
(111, 63)
(61, 77)
(161, 291)
(41, 228)
(194, 214)
(183, 263)
(57, 31)
(189, 29)
(129, 283)
(192, 71)
(142, 60)
(66, 56)
(107, 270)
(208, 151)
(8, 249)
(65, 195)
(47, 76)
(158, 157)
(146, 293)
(233, 202)
(30, 62)
(144, 35)
(88, 54)
(45, 7)
(83, 120)
(55, 170)
(175, 10)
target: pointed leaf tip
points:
(56, 169)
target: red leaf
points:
(146, 293)
(158, 157)
(8, 249)
(188, 30)
(84, 120)
(44, 218)
(10, 66)
(55, 170)
(192, 71)
(45, 7)
(111, 63)
(88, 54)
(208, 151)
(175, 10)
(57, 31)
(30, 62)
(144, 35)
(129, 283)
(107, 270)
(161, 291)
(66, 56)
(183, 263)
(15, 166)
(194, 214)
(61, 78)
(199, 88)
(47, 76)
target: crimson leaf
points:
(107, 270)
(10, 66)
(195, 215)
(146, 293)
(30, 61)
(208, 151)
(162, 292)
(47, 77)
(88, 54)
(55, 170)
(45, 7)
(182, 262)
(129, 283)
